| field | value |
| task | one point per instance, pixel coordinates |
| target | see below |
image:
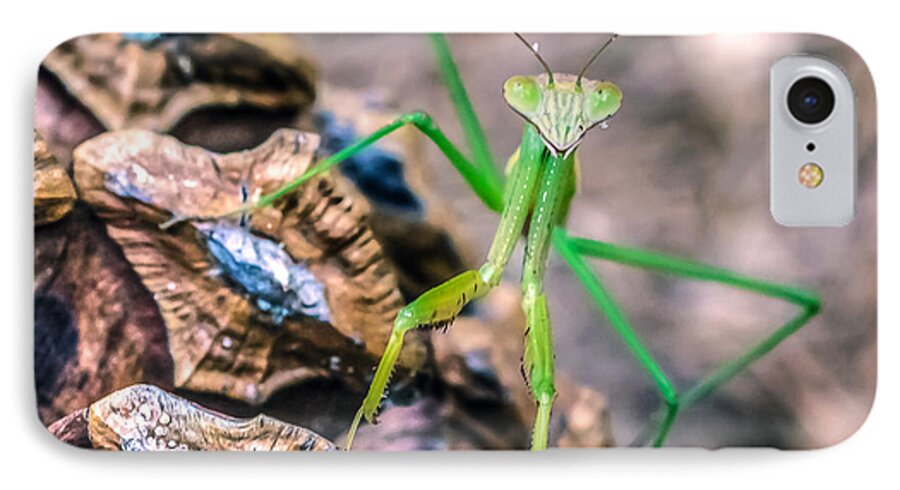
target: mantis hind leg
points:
(573, 250)
(478, 144)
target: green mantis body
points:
(558, 110)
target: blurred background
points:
(683, 169)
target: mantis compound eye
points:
(522, 94)
(603, 101)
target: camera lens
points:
(810, 100)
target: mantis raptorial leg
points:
(558, 110)
(537, 361)
(439, 306)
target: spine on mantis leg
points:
(439, 307)
(537, 360)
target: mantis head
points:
(562, 107)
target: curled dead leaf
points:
(227, 292)
(146, 418)
(154, 83)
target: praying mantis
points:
(558, 110)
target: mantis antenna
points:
(594, 57)
(534, 51)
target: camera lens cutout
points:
(810, 100)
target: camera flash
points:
(811, 175)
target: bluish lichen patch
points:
(378, 173)
(261, 269)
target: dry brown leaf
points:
(54, 195)
(153, 85)
(147, 418)
(222, 338)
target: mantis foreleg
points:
(436, 308)
(537, 361)
(439, 306)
